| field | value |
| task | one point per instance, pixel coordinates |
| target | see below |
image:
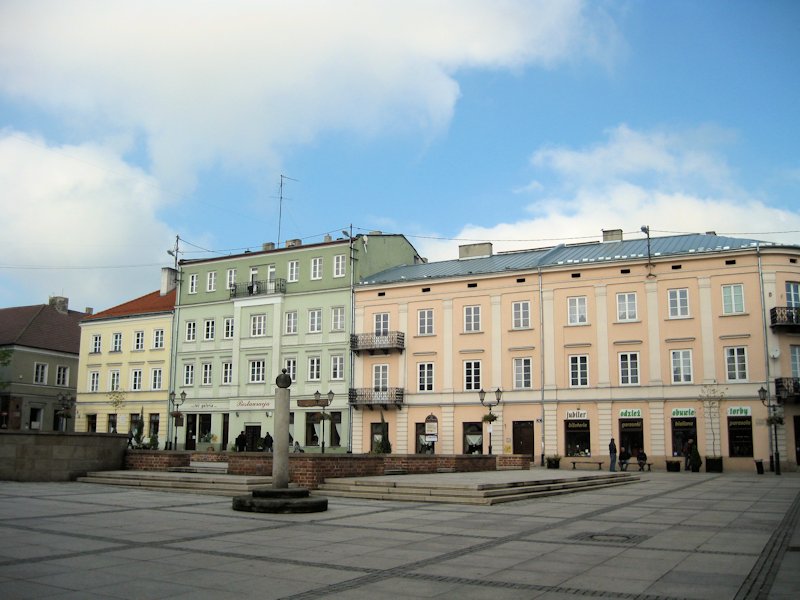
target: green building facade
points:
(241, 319)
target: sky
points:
(524, 123)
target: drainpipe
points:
(772, 448)
(541, 354)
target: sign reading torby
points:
(739, 411)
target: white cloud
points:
(77, 206)
(239, 82)
(673, 182)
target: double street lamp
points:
(489, 403)
(323, 403)
(176, 414)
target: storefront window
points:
(422, 446)
(740, 435)
(473, 438)
(683, 430)
(631, 435)
(577, 436)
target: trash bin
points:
(759, 466)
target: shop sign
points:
(429, 439)
(253, 404)
(630, 413)
(431, 426)
(683, 412)
(576, 425)
(577, 414)
(631, 425)
(739, 411)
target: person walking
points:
(241, 442)
(612, 452)
(268, 442)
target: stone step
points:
(193, 482)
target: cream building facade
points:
(650, 341)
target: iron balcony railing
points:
(785, 316)
(370, 397)
(788, 387)
(258, 288)
(374, 342)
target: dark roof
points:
(150, 303)
(566, 254)
(42, 327)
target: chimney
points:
(89, 310)
(327, 239)
(481, 250)
(60, 303)
(266, 246)
(293, 243)
(169, 277)
(711, 233)
(612, 235)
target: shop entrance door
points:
(190, 443)
(253, 434)
(522, 438)
(797, 439)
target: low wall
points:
(55, 456)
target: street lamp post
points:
(323, 403)
(498, 395)
(766, 400)
(65, 401)
(175, 406)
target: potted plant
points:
(674, 466)
(695, 462)
(490, 418)
(553, 461)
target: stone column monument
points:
(280, 454)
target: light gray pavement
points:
(672, 535)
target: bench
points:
(599, 463)
(638, 464)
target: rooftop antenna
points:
(280, 209)
(174, 253)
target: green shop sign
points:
(683, 412)
(630, 413)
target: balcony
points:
(785, 318)
(258, 288)
(373, 342)
(369, 397)
(791, 385)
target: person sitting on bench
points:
(641, 458)
(624, 459)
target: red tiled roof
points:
(41, 326)
(153, 302)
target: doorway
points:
(191, 425)
(252, 434)
(522, 438)
(797, 439)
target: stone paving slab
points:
(670, 536)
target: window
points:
(211, 281)
(425, 377)
(472, 375)
(313, 368)
(227, 373)
(156, 378)
(94, 381)
(380, 378)
(136, 380)
(626, 306)
(425, 321)
(337, 367)
(316, 268)
(228, 328)
(113, 381)
(678, 303)
(736, 363)
(472, 318)
(792, 294)
(681, 366)
(230, 279)
(253, 274)
(193, 283)
(522, 373)
(209, 326)
(629, 368)
(138, 340)
(206, 374)
(794, 360)
(191, 331)
(153, 424)
(576, 309)
(258, 371)
(291, 323)
(96, 343)
(733, 299)
(158, 339)
(339, 269)
(293, 271)
(116, 342)
(290, 364)
(40, 373)
(258, 325)
(740, 435)
(521, 315)
(188, 374)
(315, 320)
(381, 323)
(579, 370)
(112, 423)
(337, 318)
(62, 375)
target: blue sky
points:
(524, 123)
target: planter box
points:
(553, 463)
(674, 466)
(713, 464)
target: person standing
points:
(612, 452)
(241, 442)
(687, 453)
(268, 442)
